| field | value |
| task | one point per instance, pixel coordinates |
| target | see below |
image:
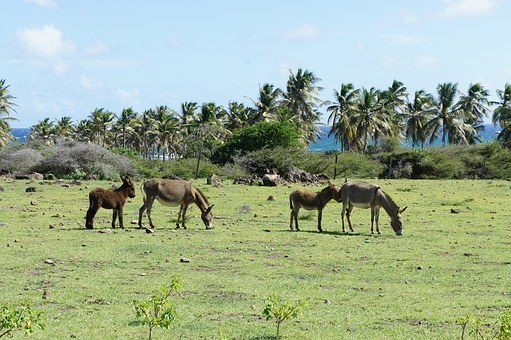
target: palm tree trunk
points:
(197, 167)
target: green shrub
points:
(19, 317)
(262, 135)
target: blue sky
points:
(67, 57)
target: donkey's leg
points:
(348, 215)
(121, 222)
(185, 207)
(147, 202)
(320, 215)
(149, 207)
(89, 220)
(296, 218)
(179, 216)
(115, 213)
(343, 212)
(291, 219)
(373, 212)
(377, 217)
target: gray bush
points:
(16, 159)
(90, 159)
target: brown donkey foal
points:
(109, 199)
(311, 201)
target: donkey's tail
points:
(142, 191)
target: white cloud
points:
(127, 95)
(96, 49)
(426, 61)
(467, 7)
(44, 3)
(309, 31)
(46, 45)
(90, 83)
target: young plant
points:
(19, 317)
(158, 310)
(282, 310)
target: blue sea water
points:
(20, 134)
(329, 144)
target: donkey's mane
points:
(389, 198)
(202, 195)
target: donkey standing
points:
(365, 195)
(171, 192)
(311, 201)
(109, 199)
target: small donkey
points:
(109, 199)
(311, 201)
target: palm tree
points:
(206, 131)
(6, 108)
(417, 115)
(238, 115)
(367, 118)
(64, 127)
(102, 121)
(44, 130)
(267, 103)
(165, 126)
(301, 99)
(502, 115)
(124, 123)
(446, 116)
(394, 104)
(341, 128)
(144, 127)
(84, 131)
(474, 106)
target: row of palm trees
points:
(362, 115)
(357, 117)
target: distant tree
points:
(6, 109)
(301, 99)
(446, 120)
(502, 115)
(339, 110)
(124, 123)
(267, 103)
(474, 106)
(101, 122)
(64, 127)
(418, 114)
(44, 131)
(238, 115)
(262, 135)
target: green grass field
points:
(360, 286)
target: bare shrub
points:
(92, 159)
(15, 159)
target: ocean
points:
(325, 144)
(489, 134)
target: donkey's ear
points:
(209, 208)
(402, 210)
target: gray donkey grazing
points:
(311, 201)
(366, 195)
(171, 192)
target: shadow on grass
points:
(324, 232)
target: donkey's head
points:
(207, 217)
(396, 221)
(128, 184)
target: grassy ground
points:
(360, 286)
